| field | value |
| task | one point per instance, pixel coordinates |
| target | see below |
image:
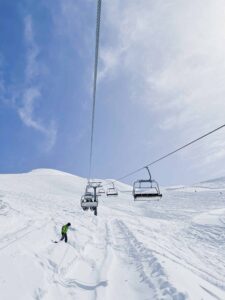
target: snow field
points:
(171, 249)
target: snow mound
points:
(49, 172)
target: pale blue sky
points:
(161, 84)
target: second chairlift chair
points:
(146, 189)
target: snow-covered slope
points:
(172, 249)
(218, 183)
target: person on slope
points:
(64, 232)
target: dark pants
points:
(64, 236)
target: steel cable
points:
(98, 23)
(170, 153)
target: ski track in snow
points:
(171, 249)
(150, 270)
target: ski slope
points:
(172, 249)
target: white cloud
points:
(176, 48)
(32, 91)
(172, 53)
(27, 111)
(32, 68)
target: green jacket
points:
(65, 229)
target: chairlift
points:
(146, 189)
(90, 198)
(101, 192)
(112, 191)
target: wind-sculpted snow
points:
(171, 249)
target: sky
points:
(160, 85)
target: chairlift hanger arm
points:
(150, 176)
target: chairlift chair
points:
(112, 191)
(101, 191)
(146, 189)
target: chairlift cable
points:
(98, 23)
(171, 153)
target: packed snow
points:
(168, 249)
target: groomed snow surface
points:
(171, 249)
